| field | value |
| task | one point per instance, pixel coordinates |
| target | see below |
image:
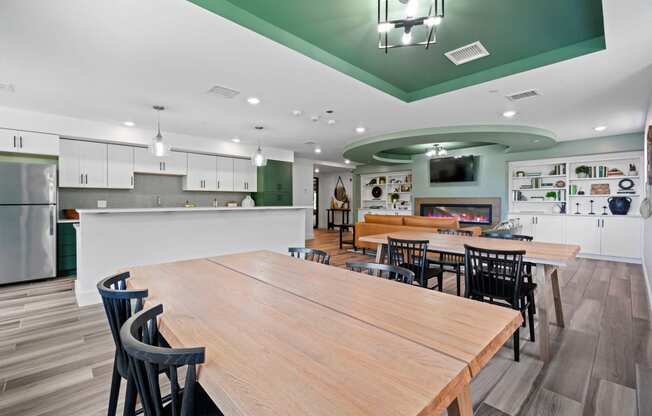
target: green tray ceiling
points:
(519, 34)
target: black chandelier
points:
(409, 21)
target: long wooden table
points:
(547, 257)
(288, 337)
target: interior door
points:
(93, 161)
(120, 167)
(621, 237)
(225, 170)
(549, 229)
(27, 242)
(585, 232)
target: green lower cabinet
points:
(274, 184)
(66, 250)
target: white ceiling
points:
(111, 60)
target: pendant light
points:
(258, 159)
(158, 147)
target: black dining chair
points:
(412, 255)
(119, 304)
(527, 266)
(451, 262)
(147, 357)
(495, 276)
(310, 254)
(386, 271)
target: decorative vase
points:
(248, 202)
(619, 205)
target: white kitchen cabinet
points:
(526, 222)
(621, 236)
(585, 232)
(82, 164)
(175, 163)
(245, 176)
(28, 142)
(202, 173)
(543, 228)
(225, 171)
(120, 167)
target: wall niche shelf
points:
(388, 184)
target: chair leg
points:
(440, 282)
(130, 397)
(458, 276)
(530, 313)
(517, 346)
(115, 390)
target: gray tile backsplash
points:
(144, 195)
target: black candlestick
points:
(605, 210)
(578, 208)
(591, 212)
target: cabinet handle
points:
(14, 141)
(86, 178)
(132, 180)
(164, 167)
(21, 142)
(218, 184)
(81, 179)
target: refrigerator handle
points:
(51, 219)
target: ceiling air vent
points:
(522, 95)
(467, 53)
(223, 92)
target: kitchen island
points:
(109, 240)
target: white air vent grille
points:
(522, 95)
(468, 53)
(223, 92)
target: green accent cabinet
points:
(66, 250)
(274, 184)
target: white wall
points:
(647, 226)
(302, 174)
(79, 128)
(327, 183)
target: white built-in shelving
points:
(393, 194)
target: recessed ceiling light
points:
(317, 149)
(600, 128)
(235, 140)
(253, 100)
(331, 122)
(297, 113)
(347, 161)
(314, 118)
(360, 129)
(316, 170)
(129, 123)
(509, 114)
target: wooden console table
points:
(330, 217)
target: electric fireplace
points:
(468, 214)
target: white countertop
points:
(571, 214)
(182, 209)
(65, 221)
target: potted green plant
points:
(582, 171)
(551, 196)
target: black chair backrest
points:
(383, 270)
(496, 274)
(141, 341)
(455, 231)
(119, 304)
(310, 254)
(404, 253)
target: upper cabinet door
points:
(585, 232)
(225, 174)
(38, 143)
(8, 140)
(175, 163)
(202, 173)
(252, 183)
(120, 167)
(549, 229)
(621, 237)
(69, 170)
(146, 162)
(243, 175)
(93, 163)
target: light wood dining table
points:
(547, 258)
(285, 336)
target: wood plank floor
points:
(55, 358)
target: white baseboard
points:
(610, 258)
(87, 298)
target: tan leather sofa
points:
(380, 224)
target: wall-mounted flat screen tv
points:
(453, 169)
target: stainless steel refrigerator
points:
(28, 233)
